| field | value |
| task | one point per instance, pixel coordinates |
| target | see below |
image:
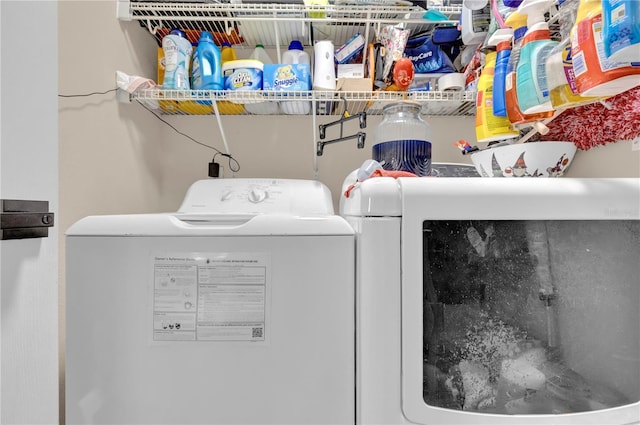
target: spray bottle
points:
(502, 40)
(561, 79)
(531, 84)
(596, 75)
(518, 22)
(489, 127)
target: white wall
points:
(29, 170)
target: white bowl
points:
(532, 159)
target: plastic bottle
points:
(518, 22)
(261, 108)
(531, 78)
(502, 40)
(561, 80)
(260, 54)
(595, 74)
(489, 127)
(621, 30)
(206, 63)
(296, 55)
(228, 53)
(177, 55)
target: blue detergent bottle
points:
(531, 75)
(621, 30)
(206, 64)
(502, 40)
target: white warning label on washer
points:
(210, 297)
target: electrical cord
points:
(87, 94)
(234, 165)
(234, 168)
(176, 130)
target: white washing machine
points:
(496, 301)
(237, 309)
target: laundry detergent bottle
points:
(621, 30)
(531, 83)
(597, 75)
(490, 128)
(228, 53)
(206, 64)
(177, 57)
(518, 23)
(561, 79)
(502, 39)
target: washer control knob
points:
(226, 195)
(257, 195)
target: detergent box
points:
(286, 77)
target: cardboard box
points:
(350, 49)
(357, 77)
(351, 70)
(354, 84)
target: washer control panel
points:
(266, 196)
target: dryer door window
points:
(531, 317)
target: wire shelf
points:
(273, 24)
(201, 102)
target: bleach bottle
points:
(177, 56)
(206, 71)
(531, 83)
(262, 108)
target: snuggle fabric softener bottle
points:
(296, 55)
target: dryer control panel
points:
(261, 196)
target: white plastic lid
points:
(242, 63)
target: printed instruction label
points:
(210, 296)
